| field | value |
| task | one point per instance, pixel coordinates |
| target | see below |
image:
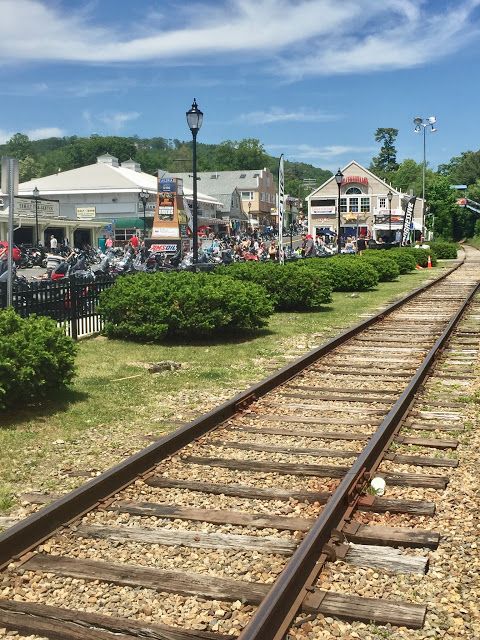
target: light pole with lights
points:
(390, 196)
(194, 121)
(423, 123)
(338, 180)
(143, 196)
(36, 193)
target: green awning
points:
(129, 223)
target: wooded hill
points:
(44, 157)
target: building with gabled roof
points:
(365, 209)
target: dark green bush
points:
(149, 307)
(37, 359)
(444, 250)
(403, 258)
(347, 273)
(386, 267)
(288, 287)
(421, 256)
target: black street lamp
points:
(194, 121)
(144, 196)
(291, 227)
(424, 123)
(389, 196)
(36, 193)
(338, 180)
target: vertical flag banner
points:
(407, 221)
(281, 207)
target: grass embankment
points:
(115, 401)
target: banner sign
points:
(167, 185)
(44, 208)
(384, 218)
(323, 211)
(408, 220)
(281, 200)
(358, 179)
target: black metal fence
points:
(72, 302)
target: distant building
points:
(94, 200)
(364, 206)
(249, 197)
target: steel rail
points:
(27, 534)
(280, 606)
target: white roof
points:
(99, 178)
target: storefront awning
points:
(129, 223)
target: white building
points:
(365, 209)
(95, 200)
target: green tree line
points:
(44, 157)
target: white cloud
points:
(117, 120)
(304, 152)
(305, 37)
(45, 132)
(34, 134)
(276, 114)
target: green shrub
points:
(37, 359)
(150, 307)
(403, 258)
(288, 287)
(444, 250)
(347, 273)
(386, 267)
(421, 256)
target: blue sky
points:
(310, 78)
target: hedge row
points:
(36, 359)
(288, 288)
(150, 307)
(444, 250)
(346, 273)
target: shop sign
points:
(357, 179)
(45, 208)
(384, 218)
(85, 213)
(165, 232)
(164, 247)
(167, 185)
(323, 211)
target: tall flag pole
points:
(407, 220)
(281, 206)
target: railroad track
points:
(228, 525)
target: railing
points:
(72, 302)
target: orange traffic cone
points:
(418, 267)
(429, 263)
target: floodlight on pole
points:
(424, 123)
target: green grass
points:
(114, 400)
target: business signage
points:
(167, 185)
(150, 206)
(408, 220)
(165, 232)
(384, 218)
(357, 179)
(323, 211)
(26, 207)
(85, 213)
(164, 247)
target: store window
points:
(365, 205)
(247, 195)
(343, 205)
(382, 203)
(353, 205)
(123, 235)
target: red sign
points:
(359, 179)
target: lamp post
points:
(423, 123)
(194, 121)
(390, 196)
(291, 227)
(36, 193)
(143, 196)
(338, 180)
(249, 215)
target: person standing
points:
(53, 244)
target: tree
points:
(386, 161)
(445, 216)
(463, 169)
(28, 169)
(19, 146)
(408, 177)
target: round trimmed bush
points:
(386, 267)
(346, 273)
(404, 259)
(151, 307)
(288, 287)
(444, 250)
(37, 359)
(421, 256)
